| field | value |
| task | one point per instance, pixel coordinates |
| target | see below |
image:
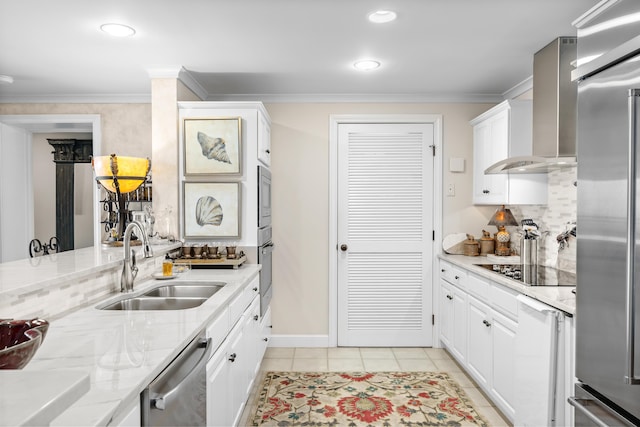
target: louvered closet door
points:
(385, 217)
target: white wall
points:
(300, 167)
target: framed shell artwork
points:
(211, 209)
(212, 146)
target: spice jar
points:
(471, 246)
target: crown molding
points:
(359, 98)
(182, 74)
(519, 89)
(97, 98)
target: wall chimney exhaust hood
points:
(554, 113)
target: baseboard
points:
(299, 341)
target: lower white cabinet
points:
(504, 332)
(233, 367)
(453, 326)
(218, 398)
(481, 334)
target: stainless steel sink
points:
(186, 289)
(154, 303)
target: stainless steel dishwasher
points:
(178, 396)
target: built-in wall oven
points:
(265, 242)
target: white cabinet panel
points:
(218, 398)
(501, 132)
(479, 343)
(504, 353)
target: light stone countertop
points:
(36, 398)
(560, 297)
(31, 275)
(122, 351)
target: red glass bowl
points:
(19, 341)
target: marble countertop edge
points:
(559, 297)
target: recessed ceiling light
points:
(117, 30)
(382, 16)
(6, 79)
(366, 65)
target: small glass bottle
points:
(167, 266)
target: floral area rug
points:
(362, 399)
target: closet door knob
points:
(343, 247)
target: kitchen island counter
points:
(122, 351)
(560, 297)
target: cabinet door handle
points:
(443, 270)
(485, 191)
(487, 324)
(449, 297)
(266, 339)
(256, 317)
(232, 357)
(255, 289)
(457, 277)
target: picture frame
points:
(211, 209)
(213, 146)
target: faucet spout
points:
(129, 268)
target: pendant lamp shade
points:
(120, 174)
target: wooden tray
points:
(212, 263)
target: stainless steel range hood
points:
(554, 113)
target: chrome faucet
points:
(129, 269)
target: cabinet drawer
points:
(504, 300)
(219, 328)
(453, 274)
(242, 301)
(478, 287)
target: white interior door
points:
(385, 225)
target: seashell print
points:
(208, 211)
(213, 148)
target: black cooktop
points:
(533, 275)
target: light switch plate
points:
(451, 190)
(456, 164)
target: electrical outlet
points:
(451, 190)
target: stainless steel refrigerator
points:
(608, 248)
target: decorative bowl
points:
(19, 341)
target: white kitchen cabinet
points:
(453, 319)
(479, 327)
(218, 399)
(501, 132)
(479, 344)
(232, 369)
(264, 139)
(503, 351)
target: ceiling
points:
(269, 50)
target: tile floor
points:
(375, 359)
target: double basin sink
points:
(176, 296)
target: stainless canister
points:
(529, 251)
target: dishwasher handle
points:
(161, 401)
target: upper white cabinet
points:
(264, 139)
(501, 132)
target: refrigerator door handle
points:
(582, 406)
(630, 309)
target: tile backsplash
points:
(554, 218)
